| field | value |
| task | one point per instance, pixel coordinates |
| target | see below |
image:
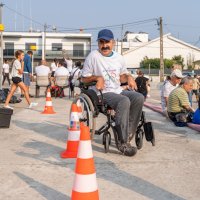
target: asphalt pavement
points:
(31, 167)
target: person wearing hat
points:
(178, 106)
(168, 87)
(107, 68)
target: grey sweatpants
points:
(128, 107)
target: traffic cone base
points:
(72, 145)
(83, 196)
(67, 154)
(48, 109)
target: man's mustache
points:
(105, 48)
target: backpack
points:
(2, 96)
(72, 76)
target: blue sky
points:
(181, 18)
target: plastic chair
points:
(41, 81)
(62, 82)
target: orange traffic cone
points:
(85, 184)
(73, 134)
(48, 109)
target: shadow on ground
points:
(47, 192)
(106, 170)
(49, 129)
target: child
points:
(17, 72)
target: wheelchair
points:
(92, 105)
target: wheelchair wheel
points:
(106, 141)
(87, 112)
(139, 138)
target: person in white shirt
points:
(69, 64)
(43, 69)
(61, 71)
(74, 79)
(6, 72)
(54, 66)
(17, 73)
(168, 86)
(107, 68)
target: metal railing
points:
(76, 54)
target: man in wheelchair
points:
(107, 68)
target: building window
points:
(78, 50)
(30, 46)
(9, 49)
(56, 46)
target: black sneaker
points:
(127, 149)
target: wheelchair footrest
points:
(98, 133)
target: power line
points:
(183, 26)
(26, 17)
(111, 26)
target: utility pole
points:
(1, 31)
(161, 51)
(122, 30)
(44, 43)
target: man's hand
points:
(100, 83)
(131, 83)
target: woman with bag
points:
(17, 73)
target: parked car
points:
(188, 73)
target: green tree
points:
(155, 63)
(178, 60)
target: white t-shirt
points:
(110, 68)
(69, 65)
(165, 91)
(61, 71)
(6, 68)
(42, 70)
(53, 66)
(15, 67)
(75, 72)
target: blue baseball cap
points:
(105, 34)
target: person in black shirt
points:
(142, 83)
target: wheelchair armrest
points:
(124, 84)
(89, 84)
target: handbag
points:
(149, 132)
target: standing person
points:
(17, 73)
(68, 63)
(107, 67)
(195, 87)
(27, 70)
(6, 72)
(54, 66)
(74, 79)
(142, 84)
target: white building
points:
(132, 40)
(76, 45)
(171, 47)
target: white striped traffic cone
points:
(85, 184)
(48, 107)
(73, 134)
